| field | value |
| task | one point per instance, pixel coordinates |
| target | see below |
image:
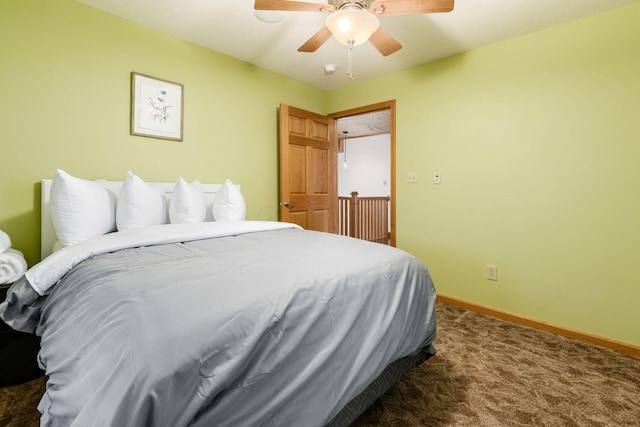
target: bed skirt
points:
(390, 376)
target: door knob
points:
(287, 204)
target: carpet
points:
(487, 372)
(490, 372)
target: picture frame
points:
(156, 107)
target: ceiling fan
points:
(353, 22)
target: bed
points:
(226, 323)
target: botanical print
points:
(159, 111)
(156, 108)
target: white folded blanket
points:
(12, 266)
(5, 242)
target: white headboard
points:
(48, 233)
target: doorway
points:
(376, 121)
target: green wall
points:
(65, 103)
(537, 140)
(538, 143)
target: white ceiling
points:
(230, 27)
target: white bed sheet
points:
(47, 272)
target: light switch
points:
(412, 177)
(492, 272)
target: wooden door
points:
(308, 174)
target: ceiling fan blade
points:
(385, 44)
(316, 40)
(292, 6)
(409, 7)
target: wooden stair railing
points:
(365, 218)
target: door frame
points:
(390, 105)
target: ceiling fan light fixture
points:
(352, 25)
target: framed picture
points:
(156, 107)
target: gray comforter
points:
(280, 328)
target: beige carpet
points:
(487, 373)
(493, 373)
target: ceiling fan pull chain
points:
(350, 60)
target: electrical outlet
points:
(436, 177)
(412, 177)
(492, 272)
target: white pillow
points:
(80, 209)
(139, 205)
(187, 203)
(228, 203)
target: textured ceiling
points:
(368, 124)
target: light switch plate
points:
(492, 272)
